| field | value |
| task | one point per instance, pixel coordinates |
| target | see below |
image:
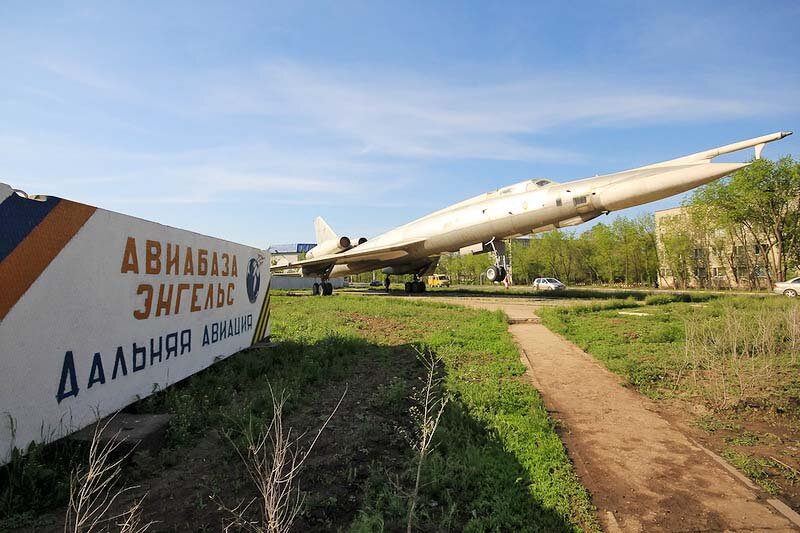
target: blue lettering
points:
(96, 375)
(139, 351)
(153, 352)
(172, 344)
(206, 342)
(119, 361)
(67, 370)
(186, 341)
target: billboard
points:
(100, 309)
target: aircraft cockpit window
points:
(536, 184)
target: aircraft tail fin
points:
(323, 231)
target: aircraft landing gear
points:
(498, 271)
(415, 286)
(386, 283)
(322, 289)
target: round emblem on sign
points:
(253, 280)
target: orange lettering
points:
(147, 290)
(210, 297)
(153, 264)
(202, 262)
(234, 273)
(195, 288)
(130, 262)
(230, 289)
(214, 265)
(172, 258)
(181, 287)
(164, 305)
(188, 264)
(225, 261)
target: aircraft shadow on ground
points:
(499, 292)
(362, 466)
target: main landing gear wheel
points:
(322, 289)
(495, 273)
(415, 286)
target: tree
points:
(764, 200)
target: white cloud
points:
(395, 114)
(341, 131)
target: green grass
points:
(753, 467)
(649, 349)
(498, 463)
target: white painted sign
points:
(99, 309)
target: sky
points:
(245, 120)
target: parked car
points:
(375, 283)
(789, 288)
(548, 284)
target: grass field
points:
(498, 463)
(733, 363)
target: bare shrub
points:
(428, 405)
(94, 490)
(273, 457)
(733, 356)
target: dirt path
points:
(643, 472)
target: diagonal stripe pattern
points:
(263, 318)
(33, 234)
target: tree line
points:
(622, 252)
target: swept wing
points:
(358, 254)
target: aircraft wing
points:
(357, 254)
(707, 155)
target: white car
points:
(789, 288)
(548, 284)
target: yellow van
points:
(439, 280)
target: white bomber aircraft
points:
(480, 224)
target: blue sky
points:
(245, 120)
